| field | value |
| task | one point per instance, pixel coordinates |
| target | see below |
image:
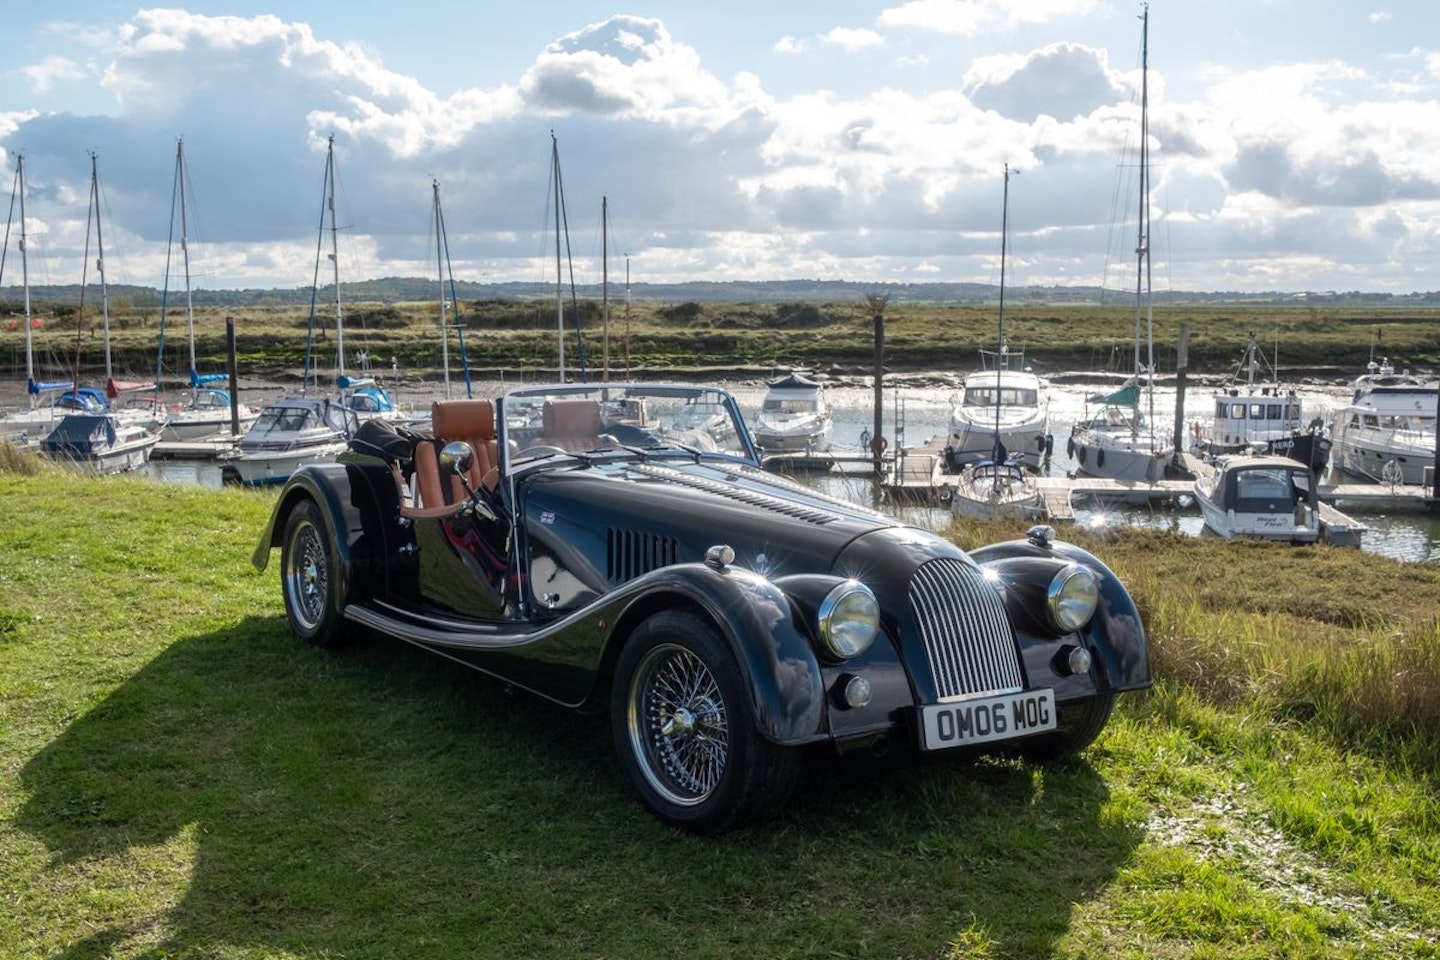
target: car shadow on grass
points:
(242, 792)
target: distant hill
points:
(410, 289)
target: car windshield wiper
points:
(668, 444)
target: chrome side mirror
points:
(456, 457)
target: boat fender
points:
(1080, 455)
(1100, 458)
(1070, 448)
(1049, 444)
(879, 445)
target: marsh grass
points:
(180, 778)
(15, 460)
(519, 336)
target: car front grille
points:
(966, 631)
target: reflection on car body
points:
(597, 546)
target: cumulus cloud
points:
(41, 77)
(717, 177)
(852, 39)
(1063, 80)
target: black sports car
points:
(619, 547)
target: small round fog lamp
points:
(857, 692)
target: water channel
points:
(917, 408)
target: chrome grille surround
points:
(965, 629)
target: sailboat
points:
(562, 231)
(292, 432)
(999, 487)
(109, 441)
(442, 258)
(1118, 440)
(206, 410)
(47, 402)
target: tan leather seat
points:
(472, 421)
(572, 425)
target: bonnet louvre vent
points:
(753, 498)
(629, 553)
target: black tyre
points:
(1080, 723)
(685, 730)
(308, 575)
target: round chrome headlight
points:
(1072, 596)
(849, 619)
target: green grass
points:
(180, 778)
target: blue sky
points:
(1296, 144)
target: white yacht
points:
(794, 417)
(290, 433)
(1387, 432)
(1003, 400)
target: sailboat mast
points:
(25, 279)
(1143, 300)
(604, 287)
(185, 250)
(1000, 324)
(440, 273)
(627, 315)
(559, 276)
(100, 261)
(335, 258)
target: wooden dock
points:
(918, 476)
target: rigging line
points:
(325, 192)
(175, 193)
(443, 252)
(570, 260)
(84, 274)
(9, 219)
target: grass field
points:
(180, 778)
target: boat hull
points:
(1112, 457)
(971, 442)
(266, 468)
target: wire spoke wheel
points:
(678, 725)
(309, 578)
(682, 715)
(307, 575)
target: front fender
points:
(1116, 634)
(760, 626)
(329, 485)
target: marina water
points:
(915, 414)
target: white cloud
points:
(41, 77)
(706, 177)
(976, 16)
(853, 39)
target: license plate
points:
(967, 722)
